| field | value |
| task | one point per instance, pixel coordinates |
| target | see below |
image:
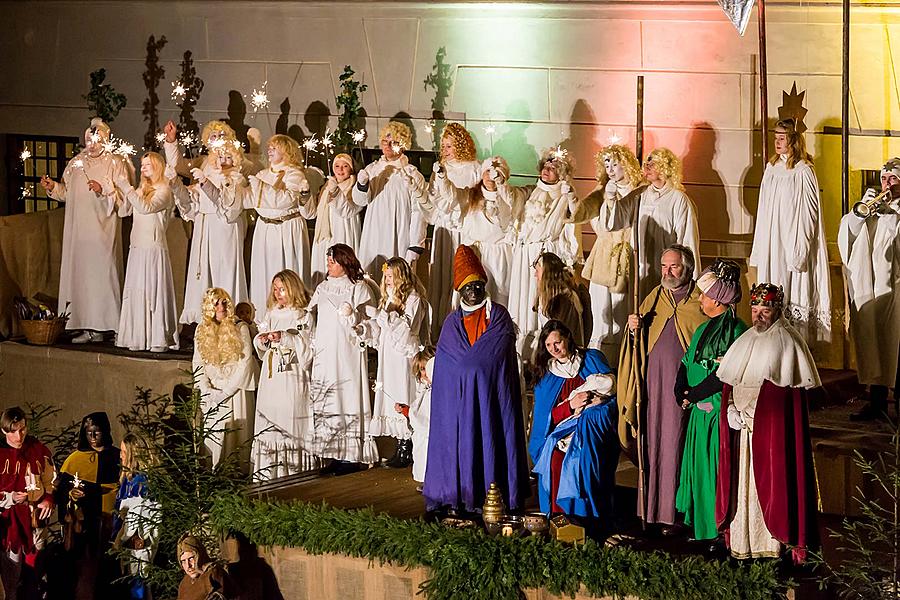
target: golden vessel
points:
(494, 510)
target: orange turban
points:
(467, 267)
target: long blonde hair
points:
(297, 294)
(405, 283)
(148, 185)
(219, 343)
(138, 455)
(797, 144)
(625, 157)
(399, 132)
(463, 145)
(668, 165)
(289, 147)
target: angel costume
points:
(337, 222)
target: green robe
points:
(696, 496)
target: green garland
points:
(471, 564)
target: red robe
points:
(15, 522)
(782, 467)
(559, 413)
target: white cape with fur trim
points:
(779, 355)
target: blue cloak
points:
(588, 475)
(477, 433)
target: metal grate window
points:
(31, 157)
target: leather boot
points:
(403, 458)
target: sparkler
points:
(358, 138)
(560, 153)
(613, 138)
(76, 483)
(489, 131)
(179, 91)
(309, 145)
(327, 144)
(27, 191)
(259, 99)
(160, 137)
(429, 126)
(26, 154)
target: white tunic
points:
(393, 222)
(789, 246)
(541, 223)
(342, 215)
(276, 194)
(485, 224)
(449, 194)
(228, 398)
(149, 319)
(217, 242)
(339, 386)
(397, 338)
(870, 250)
(420, 422)
(90, 276)
(283, 419)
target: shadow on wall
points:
(698, 167)
(237, 112)
(512, 144)
(826, 152)
(751, 179)
(582, 142)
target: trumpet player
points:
(869, 242)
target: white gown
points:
(448, 194)
(236, 383)
(397, 338)
(420, 422)
(275, 195)
(541, 223)
(342, 227)
(217, 242)
(283, 419)
(485, 224)
(789, 246)
(870, 250)
(393, 222)
(339, 385)
(149, 318)
(90, 276)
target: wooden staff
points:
(763, 83)
(636, 358)
(845, 113)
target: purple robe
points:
(477, 434)
(664, 427)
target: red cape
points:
(782, 467)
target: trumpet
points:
(864, 208)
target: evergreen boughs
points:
(350, 119)
(152, 76)
(102, 100)
(473, 565)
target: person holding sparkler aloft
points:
(281, 197)
(337, 216)
(90, 278)
(391, 189)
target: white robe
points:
(667, 216)
(779, 355)
(234, 383)
(789, 246)
(541, 223)
(485, 224)
(393, 222)
(149, 318)
(420, 422)
(90, 276)
(870, 251)
(449, 193)
(339, 385)
(217, 242)
(275, 194)
(342, 213)
(397, 338)
(283, 418)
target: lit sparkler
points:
(259, 99)
(429, 125)
(309, 145)
(76, 483)
(489, 131)
(613, 138)
(327, 143)
(178, 91)
(26, 154)
(560, 153)
(125, 149)
(160, 137)
(359, 136)
(27, 191)
(95, 137)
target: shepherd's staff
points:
(636, 358)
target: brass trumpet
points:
(864, 208)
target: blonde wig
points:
(561, 160)
(668, 165)
(219, 343)
(556, 280)
(625, 157)
(149, 185)
(463, 145)
(289, 147)
(297, 294)
(796, 144)
(405, 283)
(220, 129)
(400, 134)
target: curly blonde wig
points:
(157, 179)
(220, 129)
(405, 283)
(297, 294)
(463, 145)
(560, 159)
(219, 343)
(400, 134)
(668, 165)
(796, 144)
(622, 155)
(289, 147)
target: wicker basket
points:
(43, 333)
